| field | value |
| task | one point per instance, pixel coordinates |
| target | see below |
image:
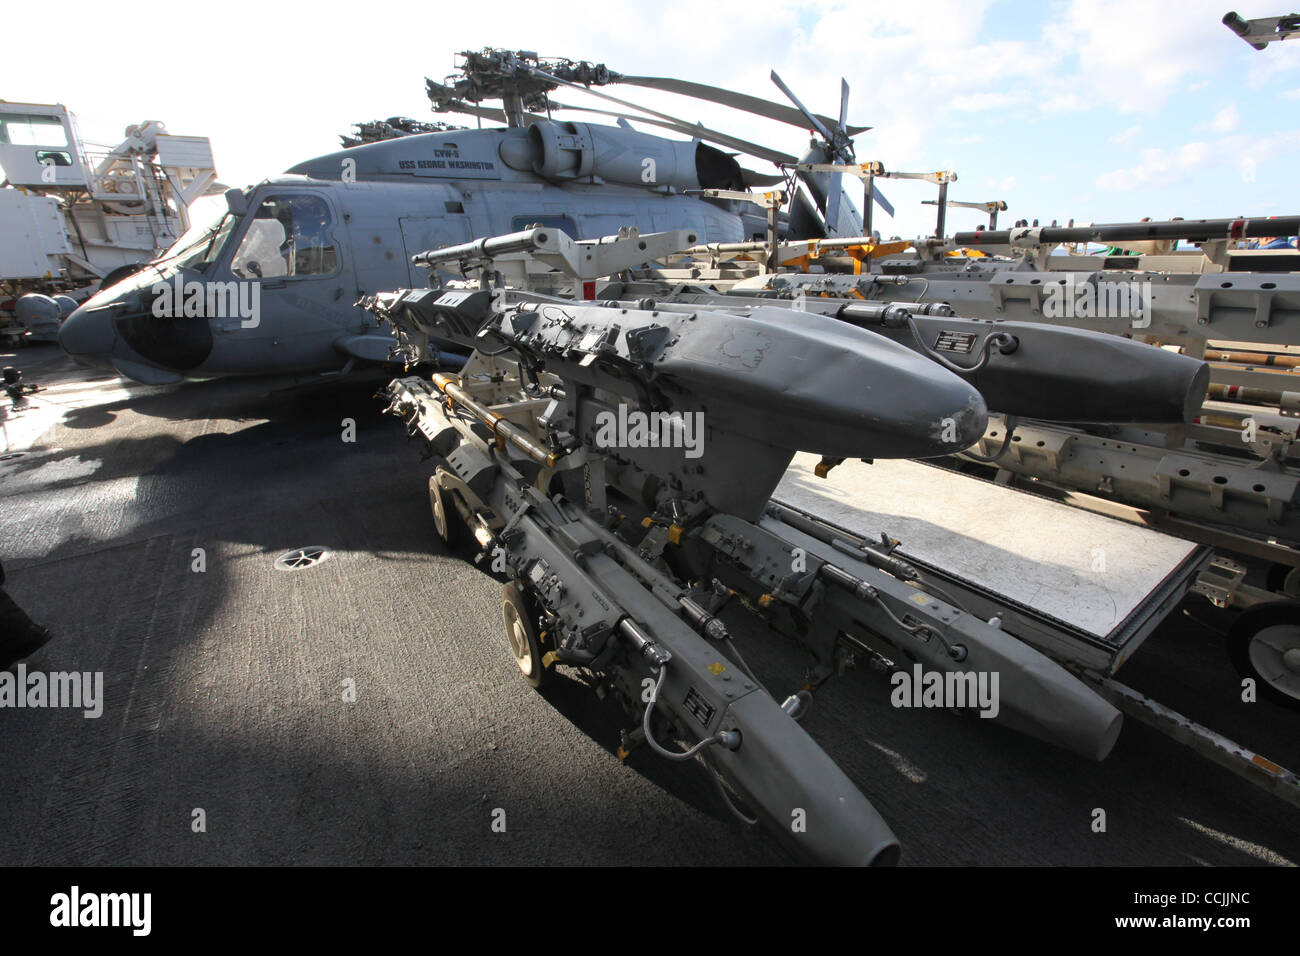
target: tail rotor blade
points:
(844, 104)
(833, 191)
(813, 121)
(880, 199)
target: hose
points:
(654, 744)
(1011, 421)
(731, 804)
(915, 629)
(1004, 340)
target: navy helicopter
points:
(269, 285)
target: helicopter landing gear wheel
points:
(517, 611)
(1264, 643)
(446, 519)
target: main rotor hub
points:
(513, 76)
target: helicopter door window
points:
(287, 236)
(259, 256)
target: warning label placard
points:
(961, 342)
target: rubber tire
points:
(1243, 630)
(518, 614)
(1275, 581)
(447, 521)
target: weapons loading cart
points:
(860, 593)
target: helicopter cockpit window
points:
(201, 244)
(287, 236)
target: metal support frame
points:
(771, 202)
(1215, 747)
(990, 209)
(1262, 31)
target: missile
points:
(818, 385)
(1041, 371)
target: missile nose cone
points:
(882, 400)
(959, 427)
(88, 336)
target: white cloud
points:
(979, 102)
(1278, 62)
(1132, 55)
(1066, 102)
(1263, 148)
(1193, 154)
(1124, 137)
(1156, 166)
(1168, 167)
(1226, 120)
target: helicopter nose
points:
(88, 336)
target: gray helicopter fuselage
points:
(274, 292)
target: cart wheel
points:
(1264, 643)
(1284, 580)
(446, 519)
(521, 630)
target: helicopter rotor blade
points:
(691, 129)
(740, 101)
(695, 131)
(482, 112)
(815, 122)
(761, 180)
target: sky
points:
(1092, 110)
